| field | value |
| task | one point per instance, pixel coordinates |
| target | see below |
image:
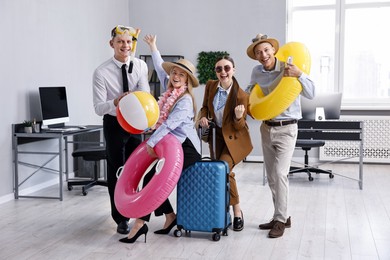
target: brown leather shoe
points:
(277, 230)
(271, 224)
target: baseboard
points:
(254, 159)
(6, 198)
(32, 189)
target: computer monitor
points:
(54, 106)
(330, 102)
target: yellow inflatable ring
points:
(264, 107)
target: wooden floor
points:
(331, 219)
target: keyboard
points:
(61, 130)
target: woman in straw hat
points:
(226, 104)
(177, 113)
(279, 134)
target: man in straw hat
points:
(112, 80)
(177, 113)
(279, 134)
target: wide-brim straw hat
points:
(260, 38)
(184, 65)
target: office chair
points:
(306, 145)
(94, 154)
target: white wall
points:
(189, 27)
(203, 25)
(49, 43)
(61, 42)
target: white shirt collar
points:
(119, 63)
(227, 90)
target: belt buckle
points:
(286, 122)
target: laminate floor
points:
(331, 219)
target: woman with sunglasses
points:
(226, 104)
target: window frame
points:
(341, 7)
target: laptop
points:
(324, 106)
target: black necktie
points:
(124, 77)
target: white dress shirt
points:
(108, 83)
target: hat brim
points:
(167, 66)
(250, 49)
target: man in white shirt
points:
(108, 88)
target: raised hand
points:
(151, 41)
(239, 111)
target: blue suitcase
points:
(203, 195)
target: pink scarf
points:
(166, 101)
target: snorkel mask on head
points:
(121, 30)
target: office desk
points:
(336, 130)
(19, 138)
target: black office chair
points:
(306, 145)
(94, 154)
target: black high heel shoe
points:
(238, 223)
(165, 231)
(143, 230)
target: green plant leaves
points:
(206, 63)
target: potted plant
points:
(206, 63)
(27, 126)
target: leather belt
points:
(281, 122)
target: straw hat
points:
(184, 65)
(260, 38)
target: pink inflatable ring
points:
(135, 204)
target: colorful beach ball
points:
(137, 112)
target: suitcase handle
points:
(212, 126)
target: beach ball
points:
(137, 112)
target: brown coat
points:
(235, 132)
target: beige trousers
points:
(278, 144)
(222, 153)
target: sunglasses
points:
(263, 37)
(226, 68)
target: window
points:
(348, 44)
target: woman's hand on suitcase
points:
(204, 122)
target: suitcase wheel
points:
(177, 233)
(216, 236)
